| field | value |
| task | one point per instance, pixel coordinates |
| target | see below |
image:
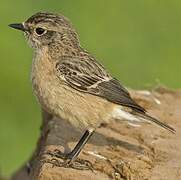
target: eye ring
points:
(40, 31)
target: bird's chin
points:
(33, 44)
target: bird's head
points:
(44, 29)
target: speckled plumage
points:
(70, 83)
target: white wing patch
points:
(100, 81)
(118, 113)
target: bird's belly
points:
(81, 109)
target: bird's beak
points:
(18, 26)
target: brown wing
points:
(90, 77)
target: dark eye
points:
(40, 31)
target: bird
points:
(71, 84)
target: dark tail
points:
(156, 121)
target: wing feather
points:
(90, 77)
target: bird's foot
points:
(60, 159)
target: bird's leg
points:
(71, 159)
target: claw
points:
(57, 153)
(58, 156)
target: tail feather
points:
(156, 121)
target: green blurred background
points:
(139, 41)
